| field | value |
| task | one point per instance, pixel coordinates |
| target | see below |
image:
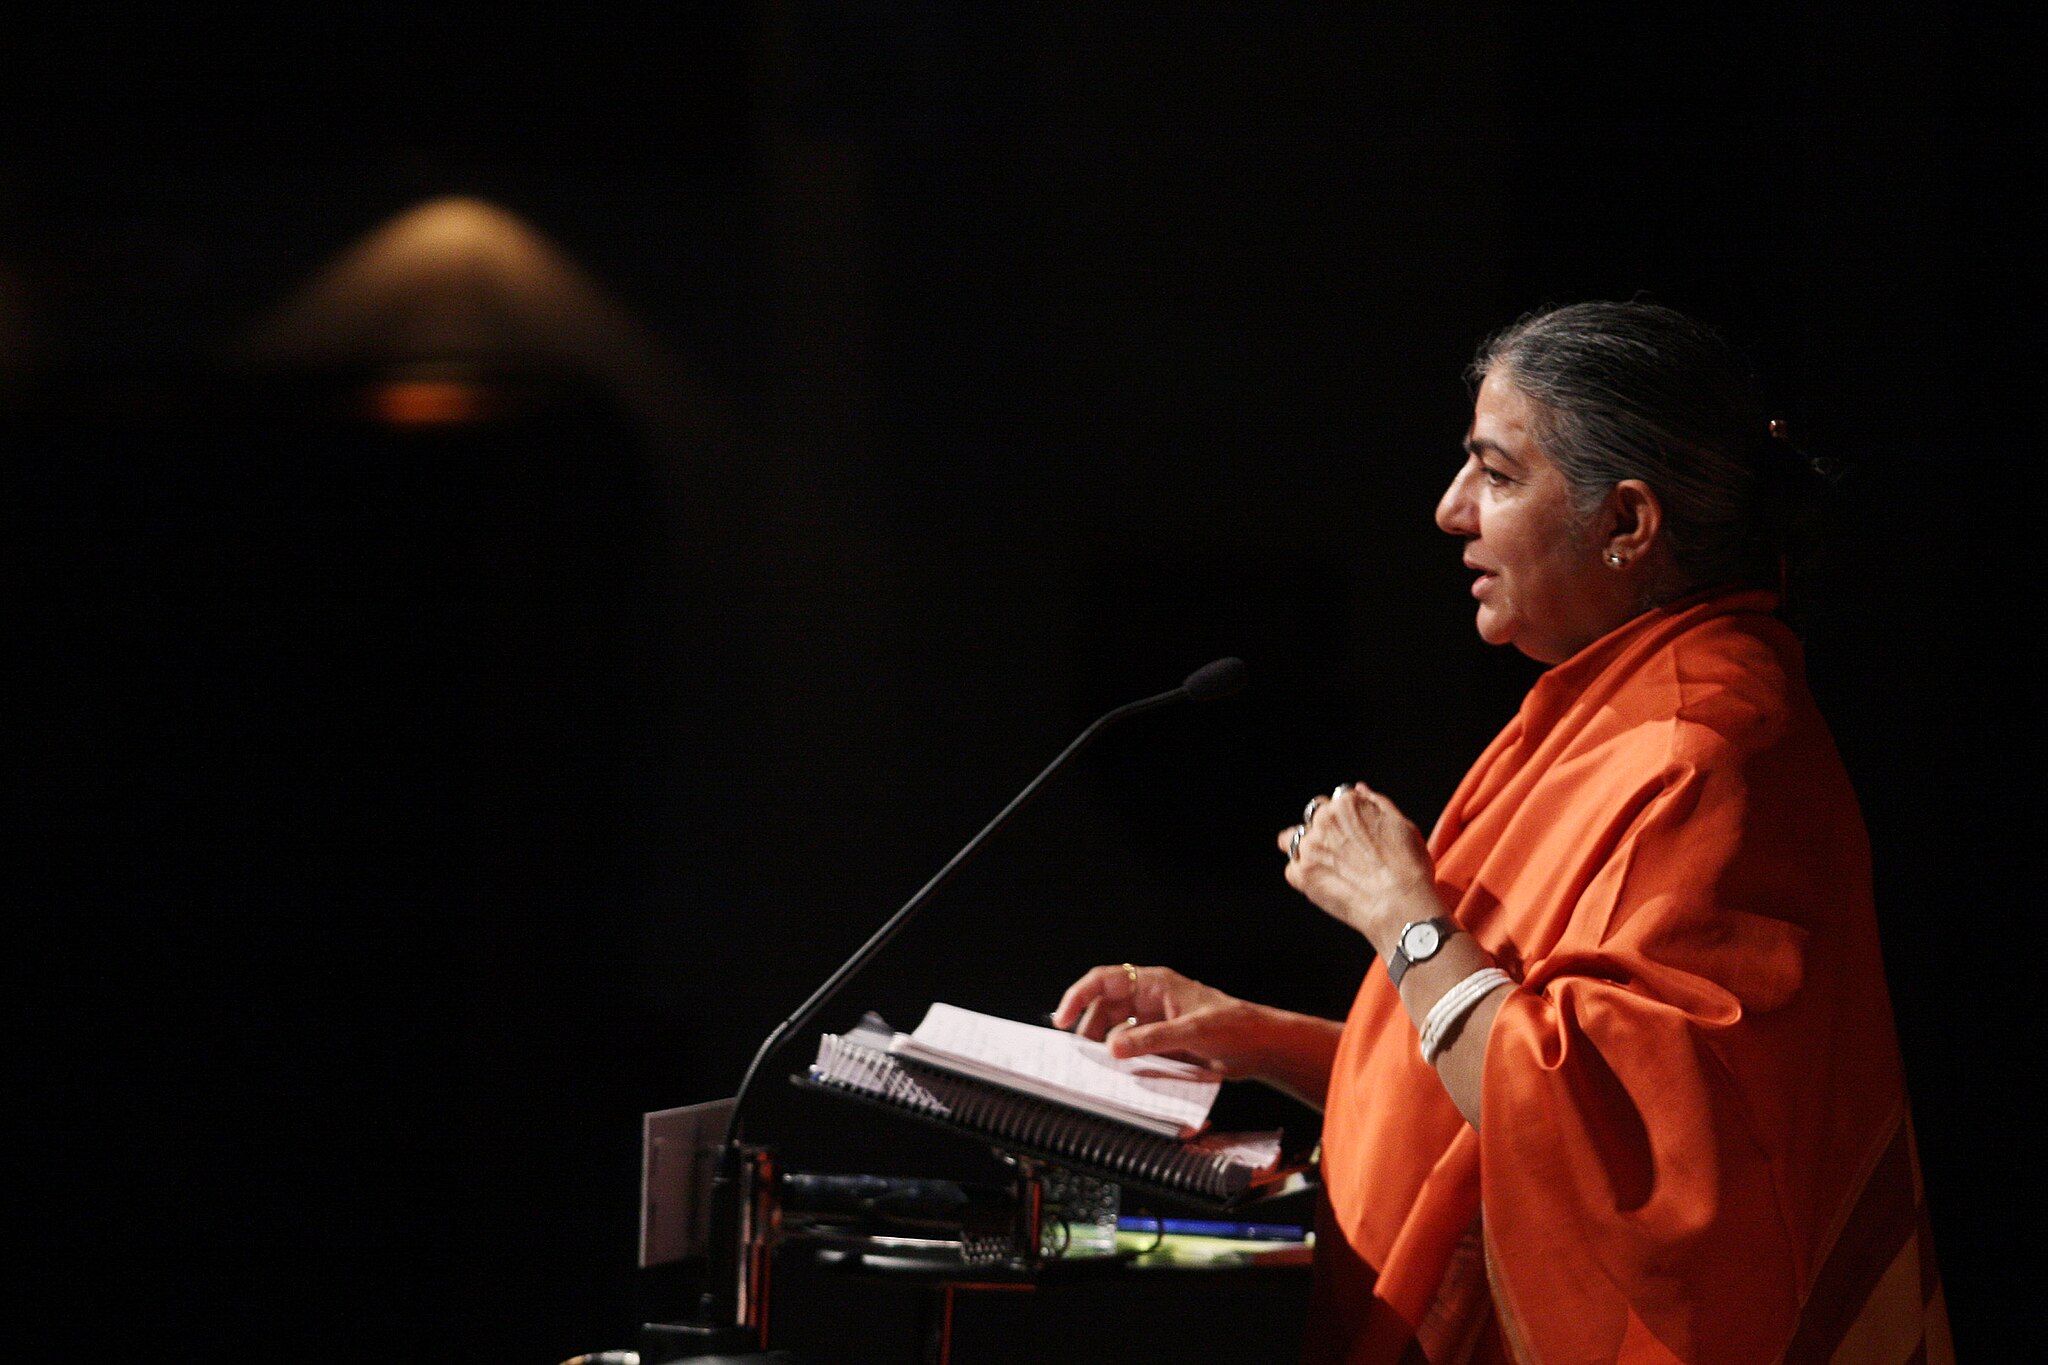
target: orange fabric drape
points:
(1696, 1086)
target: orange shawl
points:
(1694, 1142)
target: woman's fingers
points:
(1106, 996)
(1092, 986)
(1213, 1036)
(1101, 1017)
(1321, 816)
(1353, 814)
(1182, 1036)
(1356, 855)
(1110, 997)
(1173, 1016)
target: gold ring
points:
(1131, 975)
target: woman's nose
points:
(1454, 512)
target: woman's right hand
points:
(1174, 1017)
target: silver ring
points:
(1308, 812)
(1131, 1022)
(1294, 844)
(1337, 792)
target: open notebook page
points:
(1155, 1093)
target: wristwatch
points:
(1418, 941)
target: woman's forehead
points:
(1504, 421)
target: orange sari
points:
(1694, 1140)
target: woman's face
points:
(1541, 587)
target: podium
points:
(1050, 1226)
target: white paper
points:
(1157, 1093)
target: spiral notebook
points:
(873, 1063)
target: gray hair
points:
(1637, 391)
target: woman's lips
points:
(1485, 581)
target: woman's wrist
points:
(1383, 925)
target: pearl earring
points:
(1614, 559)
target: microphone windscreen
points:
(1217, 680)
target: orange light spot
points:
(428, 402)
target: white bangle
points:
(1454, 1004)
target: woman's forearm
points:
(1462, 1063)
(1297, 1053)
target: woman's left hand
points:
(1363, 862)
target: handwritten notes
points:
(1159, 1094)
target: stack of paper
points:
(1158, 1094)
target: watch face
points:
(1421, 941)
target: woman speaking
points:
(1624, 1083)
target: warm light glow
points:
(453, 305)
(454, 281)
(429, 402)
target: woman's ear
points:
(1635, 519)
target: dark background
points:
(407, 810)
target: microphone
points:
(1217, 680)
(1211, 682)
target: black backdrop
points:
(408, 811)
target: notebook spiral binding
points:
(989, 1111)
